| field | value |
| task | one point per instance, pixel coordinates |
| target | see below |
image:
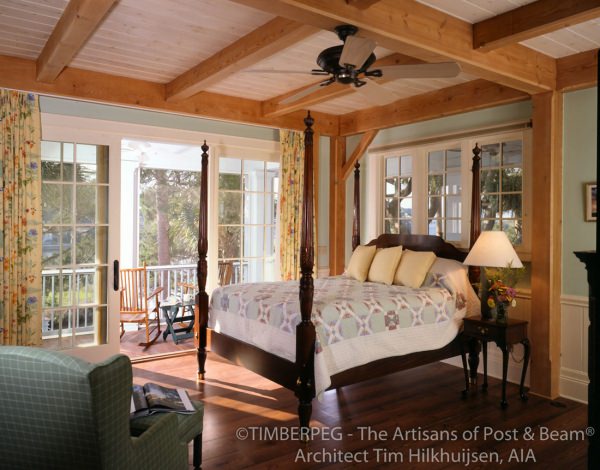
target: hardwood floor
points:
(377, 424)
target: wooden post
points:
(475, 271)
(337, 205)
(201, 307)
(305, 330)
(546, 245)
(356, 213)
(475, 198)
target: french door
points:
(76, 251)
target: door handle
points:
(116, 275)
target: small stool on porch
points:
(170, 314)
(190, 428)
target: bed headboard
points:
(438, 245)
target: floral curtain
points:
(290, 207)
(20, 220)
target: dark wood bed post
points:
(356, 224)
(475, 271)
(201, 308)
(475, 209)
(305, 330)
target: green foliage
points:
(508, 276)
(181, 193)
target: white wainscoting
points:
(574, 347)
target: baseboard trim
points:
(574, 385)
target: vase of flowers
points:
(501, 291)
(500, 297)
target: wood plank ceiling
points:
(195, 52)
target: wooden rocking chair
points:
(135, 305)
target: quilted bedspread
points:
(356, 322)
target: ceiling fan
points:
(350, 64)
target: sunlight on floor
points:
(257, 410)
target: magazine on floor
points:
(153, 398)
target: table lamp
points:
(491, 250)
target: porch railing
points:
(62, 288)
(169, 277)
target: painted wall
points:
(579, 167)
(462, 122)
(153, 118)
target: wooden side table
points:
(513, 331)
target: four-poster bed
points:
(297, 371)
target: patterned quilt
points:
(356, 322)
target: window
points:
(247, 217)
(502, 188)
(444, 189)
(398, 194)
(426, 189)
(74, 244)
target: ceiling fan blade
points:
(441, 70)
(356, 51)
(306, 91)
(376, 93)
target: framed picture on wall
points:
(591, 202)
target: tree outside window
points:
(502, 188)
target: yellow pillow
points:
(413, 268)
(384, 265)
(360, 261)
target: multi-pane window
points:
(398, 210)
(74, 244)
(444, 189)
(247, 217)
(502, 188)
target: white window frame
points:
(242, 154)
(65, 128)
(376, 177)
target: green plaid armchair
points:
(59, 412)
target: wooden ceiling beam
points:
(577, 71)
(361, 4)
(416, 30)
(360, 149)
(255, 46)
(470, 96)
(531, 20)
(77, 23)
(274, 107)
(19, 74)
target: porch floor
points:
(131, 339)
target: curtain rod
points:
(511, 126)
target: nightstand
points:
(503, 334)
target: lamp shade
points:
(494, 250)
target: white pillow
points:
(413, 268)
(360, 262)
(384, 265)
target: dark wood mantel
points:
(592, 264)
